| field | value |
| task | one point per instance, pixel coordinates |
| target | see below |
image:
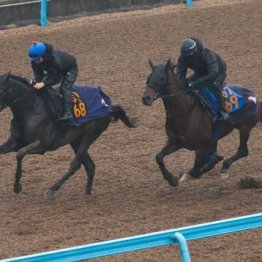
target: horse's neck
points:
(178, 101)
(24, 101)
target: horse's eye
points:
(162, 79)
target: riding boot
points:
(221, 105)
(67, 103)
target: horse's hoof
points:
(223, 170)
(89, 193)
(18, 188)
(224, 175)
(172, 181)
(49, 193)
(186, 177)
(218, 157)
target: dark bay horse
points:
(38, 132)
(189, 126)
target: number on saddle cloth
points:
(237, 99)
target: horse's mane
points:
(21, 79)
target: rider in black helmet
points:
(208, 67)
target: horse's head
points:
(11, 90)
(157, 82)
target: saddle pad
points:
(89, 103)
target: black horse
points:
(35, 131)
(189, 126)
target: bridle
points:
(168, 95)
(182, 92)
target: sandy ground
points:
(130, 196)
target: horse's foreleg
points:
(168, 149)
(33, 148)
(10, 145)
(242, 151)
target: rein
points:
(174, 94)
(189, 110)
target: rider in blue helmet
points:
(52, 66)
(209, 69)
(36, 50)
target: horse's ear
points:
(6, 77)
(168, 63)
(173, 66)
(151, 64)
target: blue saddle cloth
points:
(89, 103)
(239, 102)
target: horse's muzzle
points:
(147, 100)
(2, 107)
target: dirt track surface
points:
(130, 196)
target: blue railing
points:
(44, 4)
(189, 3)
(43, 13)
(169, 237)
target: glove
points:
(193, 85)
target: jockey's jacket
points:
(56, 64)
(206, 65)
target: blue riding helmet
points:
(187, 46)
(36, 50)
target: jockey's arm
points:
(212, 72)
(181, 69)
(53, 77)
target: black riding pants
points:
(66, 87)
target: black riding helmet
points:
(187, 46)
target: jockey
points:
(209, 69)
(51, 67)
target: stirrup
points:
(224, 115)
(65, 118)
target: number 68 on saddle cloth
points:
(89, 103)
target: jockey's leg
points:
(221, 102)
(66, 90)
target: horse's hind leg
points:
(90, 170)
(89, 166)
(74, 166)
(92, 132)
(244, 133)
(205, 160)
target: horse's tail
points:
(118, 112)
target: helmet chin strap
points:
(39, 61)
